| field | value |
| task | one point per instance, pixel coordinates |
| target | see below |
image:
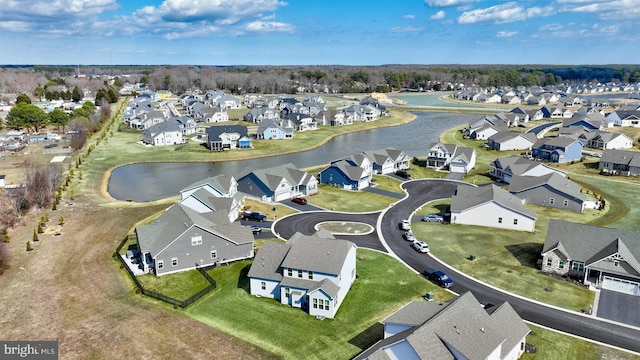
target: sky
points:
(319, 32)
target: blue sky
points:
(319, 32)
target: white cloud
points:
(268, 26)
(409, 17)
(439, 15)
(59, 8)
(552, 27)
(447, 3)
(503, 13)
(16, 26)
(506, 34)
(407, 29)
(215, 11)
(603, 9)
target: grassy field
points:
(384, 285)
(179, 286)
(338, 199)
(506, 259)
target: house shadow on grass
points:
(527, 254)
(243, 279)
(370, 336)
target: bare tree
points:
(41, 182)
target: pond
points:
(153, 181)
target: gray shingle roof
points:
(589, 243)
(221, 182)
(469, 196)
(461, 324)
(626, 157)
(552, 180)
(318, 255)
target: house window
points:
(174, 261)
(263, 285)
(549, 262)
(552, 200)
(214, 254)
(315, 303)
(577, 266)
(287, 292)
(196, 240)
(326, 304)
(310, 274)
(565, 203)
(290, 272)
(561, 265)
(299, 273)
(615, 263)
(499, 220)
(160, 264)
(515, 221)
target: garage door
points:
(620, 285)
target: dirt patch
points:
(70, 289)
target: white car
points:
(420, 246)
(408, 235)
(405, 225)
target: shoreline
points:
(104, 182)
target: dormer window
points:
(615, 263)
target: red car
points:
(299, 200)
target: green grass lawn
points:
(506, 259)
(179, 286)
(388, 183)
(552, 345)
(338, 199)
(384, 285)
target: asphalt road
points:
(421, 192)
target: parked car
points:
(432, 218)
(299, 200)
(255, 229)
(403, 174)
(254, 216)
(408, 235)
(420, 246)
(405, 225)
(438, 277)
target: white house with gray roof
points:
(182, 239)
(311, 272)
(511, 140)
(458, 158)
(164, 133)
(277, 183)
(550, 190)
(600, 256)
(457, 329)
(388, 160)
(490, 206)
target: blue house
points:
(345, 174)
(270, 129)
(557, 149)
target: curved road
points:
(423, 191)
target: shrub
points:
(35, 235)
(40, 230)
(29, 248)
(61, 220)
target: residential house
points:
(605, 257)
(164, 133)
(333, 118)
(182, 239)
(441, 156)
(625, 117)
(622, 162)
(461, 328)
(226, 101)
(512, 140)
(490, 206)
(257, 114)
(310, 272)
(218, 193)
(220, 138)
(605, 140)
(594, 121)
(212, 114)
(505, 168)
(557, 149)
(358, 112)
(388, 160)
(278, 183)
(485, 131)
(270, 129)
(187, 125)
(219, 185)
(346, 174)
(550, 190)
(299, 122)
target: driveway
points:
(621, 307)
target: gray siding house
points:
(182, 239)
(551, 190)
(600, 256)
(457, 329)
(505, 168)
(621, 162)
